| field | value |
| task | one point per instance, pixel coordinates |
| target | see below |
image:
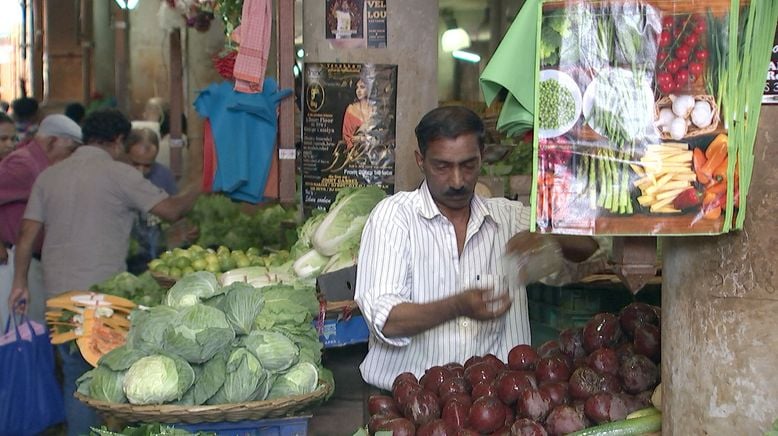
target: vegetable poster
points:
(348, 130)
(639, 118)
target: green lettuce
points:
(346, 218)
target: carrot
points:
(720, 141)
(698, 161)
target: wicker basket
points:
(173, 414)
(165, 281)
(693, 130)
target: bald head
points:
(142, 149)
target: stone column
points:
(719, 306)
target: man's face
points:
(451, 168)
(142, 157)
(7, 139)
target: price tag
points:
(287, 153)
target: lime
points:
(253, 251)
(188, 270)
(227, 263)
(211, 258)
(181, 262)
(164, 270)
(196, 249)
(155, 264)
(166, 255)
(222, 250)
(237, 253)
(242, 261)
(214, 268)
(175, 273)
(199, 264)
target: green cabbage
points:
(148, 328)
(121, 358)
(209, 378)
(274, 350)
(103, 384)
(197, 333)
(193, 288)
(157, 379)
(242, 303)
(345, 220)
(245, 378)
(310, 264)
(301, 379)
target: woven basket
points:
(172, 414)
(163, 280)
(693, 131)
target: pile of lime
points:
(556, 105)
(178, 262)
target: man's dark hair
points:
(24, 108)
(4, 118)
(105, 125)
(448, 122)
(75, 111)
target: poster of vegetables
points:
(348, 130)
(641, 110)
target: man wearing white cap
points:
(56, 138)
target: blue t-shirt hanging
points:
(244, 132)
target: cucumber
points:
(643, 412)
(626, 427)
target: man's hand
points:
(3, 254)
(19, 300)
(482, 304)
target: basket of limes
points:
(174, 264)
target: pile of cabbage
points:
(214, 344)
(326, 242)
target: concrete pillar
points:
(412, 44)
(719, 305)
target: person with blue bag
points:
(86, 204)
(30, 399)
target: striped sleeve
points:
(383, 270)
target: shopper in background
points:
(432, 282)
(7, 135)
(142, 148)
(86, 205)
(56, 138)
(25, 113)
(75, 111)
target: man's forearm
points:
(409, 319)
(23, 255)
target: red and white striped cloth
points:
(253, 35)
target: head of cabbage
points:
(274, 350)
(103, 384)
(157, 379)
(197, 333)
(301, 379)
(193, 288)
(148, 327)
(241, 304)
(246, 379)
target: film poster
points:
(770, 95)
(355, 23)
(348, 136)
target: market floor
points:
(344, 413)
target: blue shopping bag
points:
(30, 397)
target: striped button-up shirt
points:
(408, 253)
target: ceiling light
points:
(127, 4)
(455, 39)
(466, 56)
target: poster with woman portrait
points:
(355, 23)
(348, 138)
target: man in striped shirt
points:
(431, 259)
